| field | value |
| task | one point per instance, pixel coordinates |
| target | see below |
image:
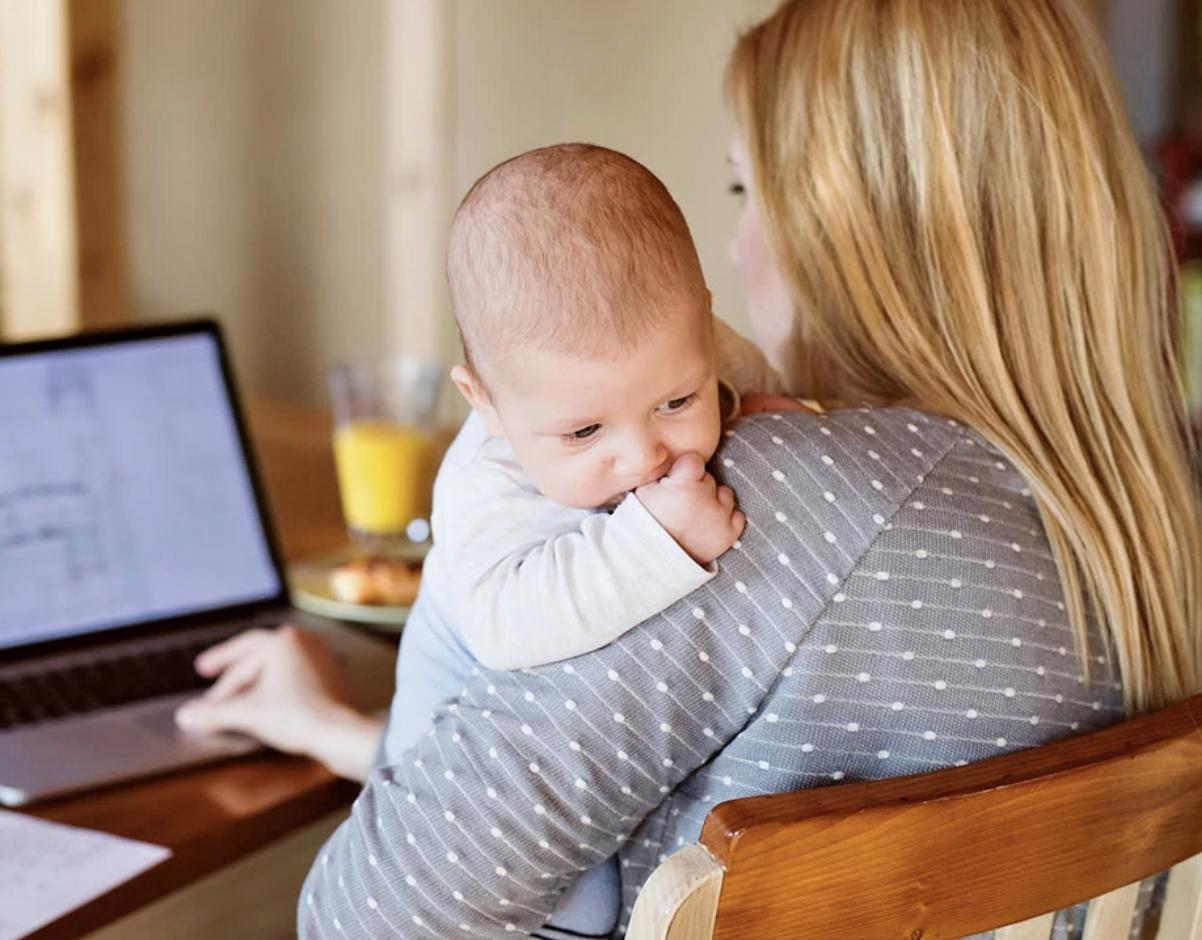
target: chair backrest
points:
(948, 854)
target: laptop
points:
(133, 534)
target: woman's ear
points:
(477, 396)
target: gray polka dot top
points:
(892, 607)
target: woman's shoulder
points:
(867, 464)
(888, 450)
(853, 475)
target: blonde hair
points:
(965, 221)
(572, 247)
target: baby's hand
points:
(694, 510)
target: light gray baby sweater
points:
(892, 607)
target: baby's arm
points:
(538, 583)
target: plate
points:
(309, 587)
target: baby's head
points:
(585, 321)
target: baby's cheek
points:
(575, 485)
(711, 432)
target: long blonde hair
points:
(965, 221)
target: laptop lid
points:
(128, 495)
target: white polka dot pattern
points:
(892, 607)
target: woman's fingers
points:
(279, 686)
(217, 658)
(235, 678)
(200, 715)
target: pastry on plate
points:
(386, 582)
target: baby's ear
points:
(477, 396)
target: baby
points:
(574, 503)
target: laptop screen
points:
(124, 493)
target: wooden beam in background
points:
(99, 213)
(38, 257)
(418, 164)
(62, 264)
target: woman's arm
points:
(530, 777)
(284, 688)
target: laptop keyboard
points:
(165, 670)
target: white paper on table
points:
(47, 869)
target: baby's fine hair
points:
(573, 247)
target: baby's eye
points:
(583, 434)
(736, 189)
(677, 404)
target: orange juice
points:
(385, 475)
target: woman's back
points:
(962, 220)
(931, 629)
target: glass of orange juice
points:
(384, 452)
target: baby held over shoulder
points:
(590, 431)
(576, 502)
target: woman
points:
(946, 219)
(970, 227)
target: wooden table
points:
(242, 833)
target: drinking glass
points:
(384, 448)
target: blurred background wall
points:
(258, 162)
(253, 146)
(291, 165)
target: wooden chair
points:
(957, 852)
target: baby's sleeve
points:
(536, 582)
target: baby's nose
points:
(643, 456)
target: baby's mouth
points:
(615, 501)
(654, 478)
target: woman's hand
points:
(755, 404)
(284, 688)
